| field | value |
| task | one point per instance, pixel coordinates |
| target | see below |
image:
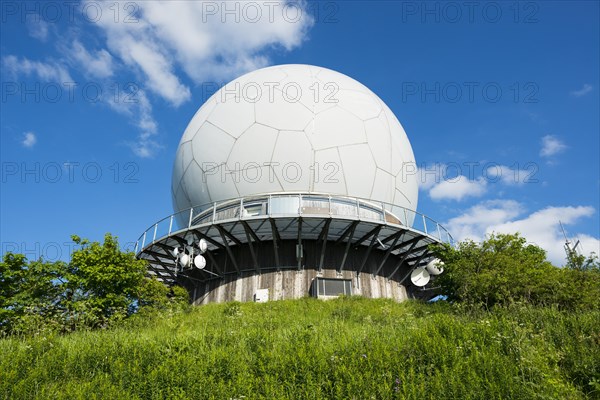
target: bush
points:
(99, 287)
(504, 270)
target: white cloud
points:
(138, 107)
(587, 88)
(445, 182)
(36, 27)
(206, 39)
(474, 222)
(166, 42)
(133, 103)
(541, 227)
(98, 65)
(448, 181)
(145, 146)
(29, 139)
(512, 176)
(551, 145)
(49, 71)
(458, 188)
(431, 175)
(155, 65)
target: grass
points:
(350, 348)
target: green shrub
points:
(100, 287)
(505, 270)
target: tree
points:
(13, 269)
(29, 291)
(504, 269)
(100, 286)
(580, 262)
(103, 281)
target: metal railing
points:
(293, 204)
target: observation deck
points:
(286, 231)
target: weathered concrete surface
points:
(292, 284)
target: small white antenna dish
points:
(199, 262)
(203, 246)
(435, 266)
(184, 260)
(420, 277)
(175, 252)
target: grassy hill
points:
(350, 348)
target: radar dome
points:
(294, 128)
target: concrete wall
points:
(291, 284)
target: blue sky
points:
(500, 101)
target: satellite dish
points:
(184, 260)
(435, 266)
(175, 252)
(202, 245)
(199, 262)
(420, 277)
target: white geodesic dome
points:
(294, 128)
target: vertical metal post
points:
(405, 217)
(382, 211)
(329, 200)
(299, 204)
(214, 212)
(144, 240)
(357, 209)
(439, 232)
(170, 225)
(191, 216)
(269, 206)
(241, 207)
(155, 229)
(424, 224)
(137, 243)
